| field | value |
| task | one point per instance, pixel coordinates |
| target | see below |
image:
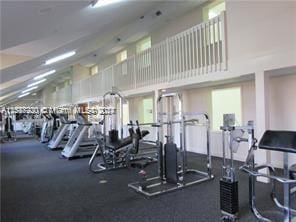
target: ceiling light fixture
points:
(23, 95)
(36, 83)
(45, 74)
(101, 3)
(60, 57)
(30, 89)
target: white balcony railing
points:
(197, 51)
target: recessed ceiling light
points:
(30, 89)
(23, 95)
(44, 74)
(36, 83)
(163, 90)
(158, 13)
(60, 57)
(101, 3)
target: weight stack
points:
(229, 196)
(113, 136)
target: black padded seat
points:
(84, 124)
(119, 143)
(293, 172)
(283, 141)
(144, 133)
(126, 141)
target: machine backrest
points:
(283, 141)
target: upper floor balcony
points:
(189, 55)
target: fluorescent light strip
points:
(30, 89)
(45, 74)
(23, 95)
(101, 3)
(60, 57)
(36, 83)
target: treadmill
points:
(60, 138)
(79, 145)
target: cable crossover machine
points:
(173, 170)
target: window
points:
(125, 110)
(226, 101)
(216, 9)
(147, 104)
(144, 44)
(145, 59)
(121, 56)
(94, 70)
(211, 11)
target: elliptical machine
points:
(48, 127)
(9, 132)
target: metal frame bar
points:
(161, 180)
(253, 173)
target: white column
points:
(262, 116)
(156, 95)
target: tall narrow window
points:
(147, 110)
(225, 101)
(94, 70)
(125, 110)
(144, 44)
(211, 11)
(121, 56)
(216, 9)
(145, 58)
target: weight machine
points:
(280, 141)
(115, 150)
(232, 136)
(173, 170)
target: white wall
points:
(79, 72)
(178, 24)
(199, 100)
(260, 34)
(282, 109)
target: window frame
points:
(94, 67)
(119, 56)
(206, 9)
(141, 43)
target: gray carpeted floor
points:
(38, 186)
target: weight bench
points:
(280, 141)
(116, 153)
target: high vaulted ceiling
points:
(33, 31)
